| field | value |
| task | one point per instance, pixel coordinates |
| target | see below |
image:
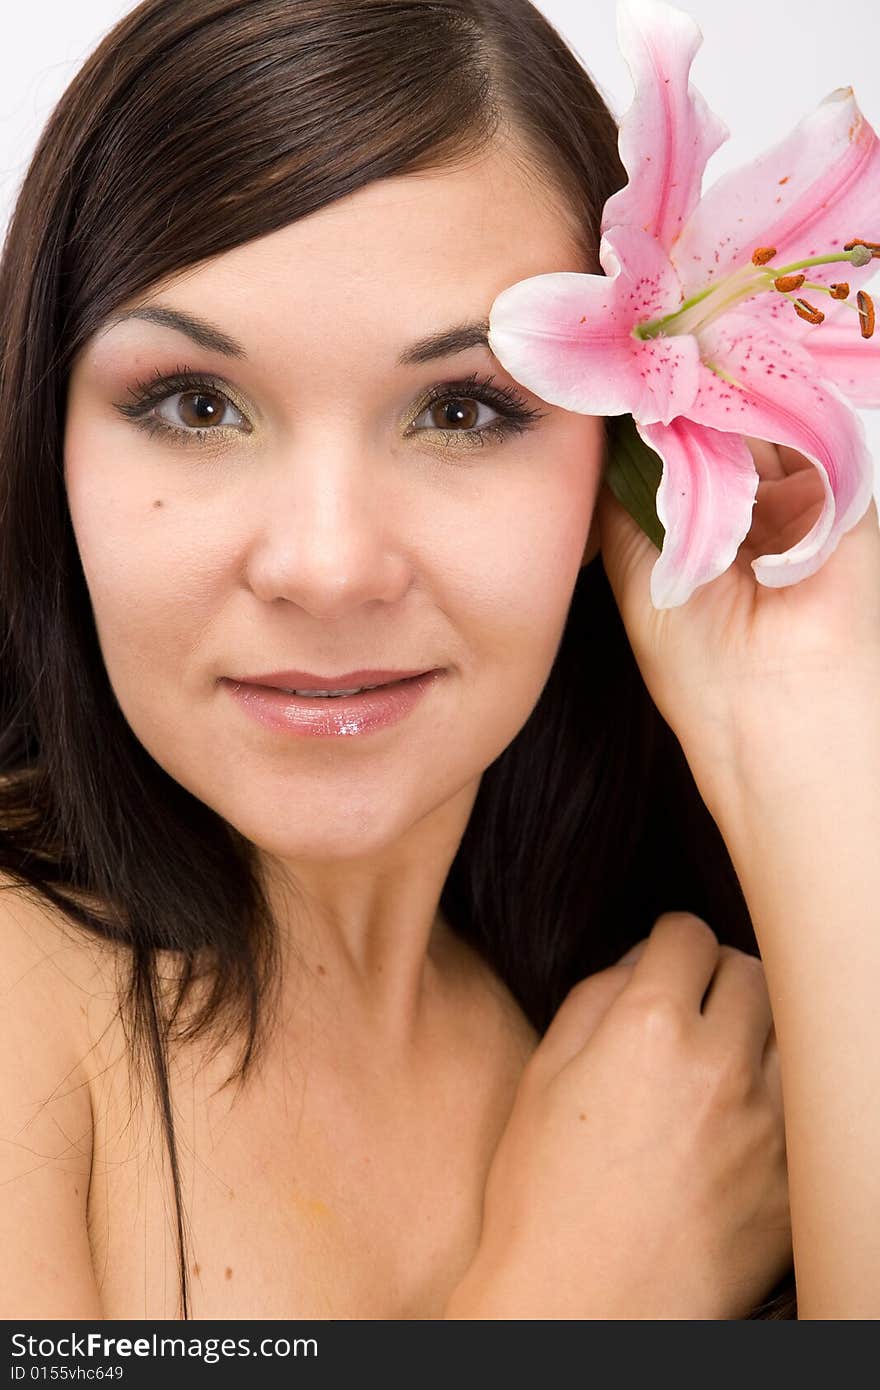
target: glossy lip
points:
(307, 680)
(343, 716)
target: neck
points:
(366, 932)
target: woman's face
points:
(330, 518)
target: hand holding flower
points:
(741, 660)
(706, 330)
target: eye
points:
(197, 410)
(453, 411)
(182, 403)
(459, 415)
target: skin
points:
(772, 694)
(330, 537)
(332, 532)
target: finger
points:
(628, 555)
(793, 461)
(578, 1017)
(766, 455)
(776, 461)
(737, 1004)
(679, 958)
(785, 510)
(633, 953)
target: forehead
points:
(385, 263)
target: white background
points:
(761, 68)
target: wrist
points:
(793, 756)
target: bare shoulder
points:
(48, 962)
(54, 985)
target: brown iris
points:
(454, 410)
(205, 410)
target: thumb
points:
(628, 555)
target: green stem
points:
(813, 260)
(813, 285)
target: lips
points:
(310, 680)
(332, 716)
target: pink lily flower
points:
(699, 329)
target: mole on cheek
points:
(158, 502)
(228, 1271)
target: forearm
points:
(804, 837)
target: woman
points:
(400, 933)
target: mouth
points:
(310, 686)
(351, 694)
(346, 711)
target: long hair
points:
(589, 824)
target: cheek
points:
(526, 564)
(150, 582)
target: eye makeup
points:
(515, 415)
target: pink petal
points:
(567, 336)
(840, 354)
(668, 133)
(704, 501)
(778, 396)
(807, 196)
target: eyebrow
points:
(445, 344)
(207, 335)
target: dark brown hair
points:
(195, 126)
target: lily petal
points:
(704, 501)
(567, 336)
(776, 394)
(806, 196)
(840, 354)
(668, 133)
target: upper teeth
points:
(328, 692)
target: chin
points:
(321, 838)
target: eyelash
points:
(516, 415)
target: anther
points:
(808, 311)
(873, 246)
(839, 291)
(866, 313)
(762, 254)
(786, 283)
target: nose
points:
(327, 534)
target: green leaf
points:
(633, 473)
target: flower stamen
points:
(712, 301)
(873, 246)
(785, 283)
(808, 311)
(866, 313)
